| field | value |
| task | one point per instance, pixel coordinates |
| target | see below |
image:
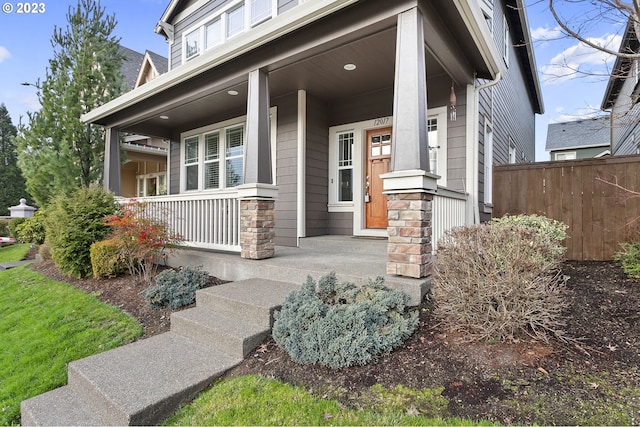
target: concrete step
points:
(253, 300)
(59, 407)
(235, 336)
(138, 384)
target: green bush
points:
(629, 258)
(105, 260)
(176, 289)
(32, 229)
(553, 229)
(73, 223)
(4, 228)
(340, 324)
(14, 223)
(498, 282)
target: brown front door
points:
(378, 162)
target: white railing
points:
(205, 220)
(449, 210)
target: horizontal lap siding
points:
(573, 192)
(286, 178)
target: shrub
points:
(555, 230)
(73, 223)
(176, 289)
(105, 259)
(498, 282)
(14, 223)
(141, 239)
(4, 228)
(629, 257)
(340, 324)
(44, 251)
(32, 229)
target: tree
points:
(12, 186)
(57, 152)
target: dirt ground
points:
(593, 382)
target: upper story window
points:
(506, 40)
(235, 19)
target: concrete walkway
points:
(7, 265)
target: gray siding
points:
(317, 168)
(174, 166)
(341, 223)
(286, 177)
(626, 115)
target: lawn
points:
(44, 325)
(256, 400)
(13, 252)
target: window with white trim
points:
(567, 155)
(506, 40)
(512, 151)
(345, 166)
(235, 18)
(437, 139)
(152, 184)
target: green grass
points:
(13, 253)
(255, 400)
(44, 325)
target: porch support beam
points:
(111, 181)
(258, 144)
(409, 149)
(409, 186)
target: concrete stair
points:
(144, 382)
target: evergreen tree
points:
(57, 151)
(12, 186)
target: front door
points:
(378, 162)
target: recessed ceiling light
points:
(164, 117)
(232, 92)
(350, 67)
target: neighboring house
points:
(298, 118)
(579, 139)
(622, 95)
(144, 170)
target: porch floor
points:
(353, 259)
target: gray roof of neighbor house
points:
(133, 61)
(585, 133)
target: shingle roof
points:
(579, 134)
(132, 62)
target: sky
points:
(25, 49)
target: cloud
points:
(4, 54)
(588, 112)
(542, 34)
(580, 60)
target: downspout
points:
(473, 181)
(301, 211)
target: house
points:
(294, 118)
(579, 139)
(622, 95)
(144, 170)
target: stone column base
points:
(409, 229)
(257, 228)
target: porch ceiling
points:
(322, 75)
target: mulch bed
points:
(550, 383)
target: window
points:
(192, 43)
(234, 156)
(260, 11)
(345, 167)
(487, 11)
(154, 184)
(231, 20)
(212, 160)
(488, 164)
(235, 21)
(213, 33)
(568, 155)
(432, 137)
(512, 151)
(191, 162)
(437, 139)
(506, 40)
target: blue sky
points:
(25, 49)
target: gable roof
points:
(622, 66)
(132, 64)
(576, 134)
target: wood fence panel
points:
(573, 192)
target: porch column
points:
(111, 180)
(257, 195)
(409, 186)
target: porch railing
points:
(210, 221)
(449, 210)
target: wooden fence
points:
(598, 213)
